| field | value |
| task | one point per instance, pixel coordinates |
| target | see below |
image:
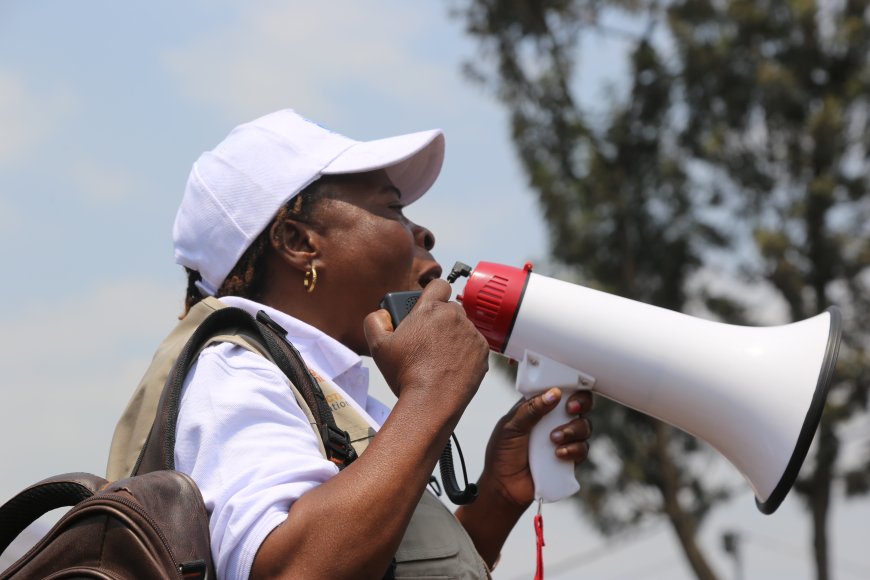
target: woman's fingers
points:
(436, 351)
(576, 452)
(528, 412)
(580, 402)
(577, 430)
(571, 438)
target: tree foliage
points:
(784, 123)
(742, 133)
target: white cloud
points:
(10, 219)
(69, 368)
(475, 231)
(302, 54)
(102, 183)
(28, 117)
(333, 61)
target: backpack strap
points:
(136, 420)
(42, 497)
(247, 342)
(159, 450)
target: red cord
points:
(539, 535)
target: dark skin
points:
(363, 247)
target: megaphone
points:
(754, 394)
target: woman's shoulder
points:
(228, 361)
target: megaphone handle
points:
(554, 478)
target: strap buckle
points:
(337, 445)
(270, 322)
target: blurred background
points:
(705, 156)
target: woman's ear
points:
(294, 242)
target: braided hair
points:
(247, 279)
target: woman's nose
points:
(423, 237)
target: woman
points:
(290, 218)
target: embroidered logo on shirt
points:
(336, 401)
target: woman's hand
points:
(434, 361)
(507, 455)
(506, 484)
(436, 348)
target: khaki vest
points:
(435, 544)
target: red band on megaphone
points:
(491, 300)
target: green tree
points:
(620, 210)
(744, 128)
(783, 121)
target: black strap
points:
(158, 452)
(336, 442)
(40, 498)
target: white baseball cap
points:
(235, 190)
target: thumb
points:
(530, 411)
(378, 326)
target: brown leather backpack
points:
(153, 524)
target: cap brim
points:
(412, 161)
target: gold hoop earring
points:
(310, 278)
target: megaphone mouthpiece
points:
(492, 300)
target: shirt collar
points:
(322, 353)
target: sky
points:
(103, 108)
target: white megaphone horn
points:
(754, 394)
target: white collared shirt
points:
(246, 442)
